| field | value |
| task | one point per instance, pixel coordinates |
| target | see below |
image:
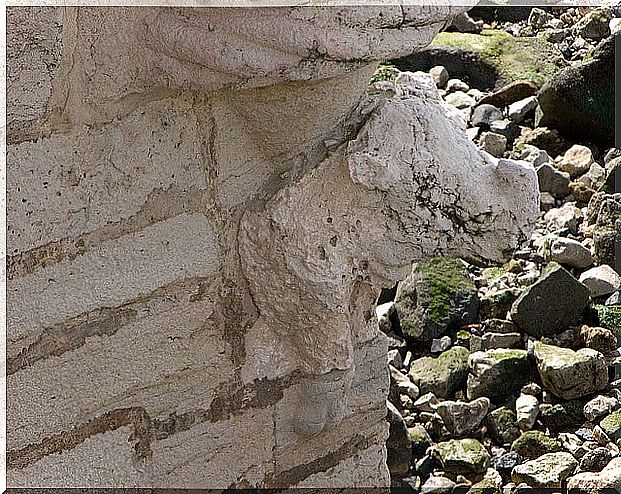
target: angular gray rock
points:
(461, 418)
(551, 304)
(494, 144)
(567, 251)
(601, 280)
(519, 110)
(497, 373)
(568, 374)
(553, 180)
(534, 155)
(398, 444)
(547, 471)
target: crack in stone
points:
(71, 335)
(230, 400)
(161, 205)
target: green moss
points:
(502, 354)
(463, 335)
(445, 278)
(533, 444)
(385, 72)
(463, 456)
(492, 273)
(515, 58)
(609, 316)
(564, 417)
(611, 425)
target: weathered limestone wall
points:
(203, 205)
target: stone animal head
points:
(441, 195)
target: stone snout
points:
(410, 185)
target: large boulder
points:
(497, 373)
(570, 374)
(579, 101)
(547, 471)
(554, 302)
(436, 296)
(443, 375)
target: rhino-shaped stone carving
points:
(410, 185)
(244, 199)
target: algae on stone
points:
(532, 444)
(443, 375)
(463, 456)
(497, 373)
(515, 58)
(609, 316)
(437, 295)
(611, 425)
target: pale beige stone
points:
(197, 238)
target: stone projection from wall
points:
(203, 205)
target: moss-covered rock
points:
(528, 58)
(611, 425)
(436, 296)
(609, 316)
(502, 424)
(532, 444)
(463, 456)
(498, 373)
(546, 472)
(443, 375)
(490, 59)
(564, 417)
(496, 305)
(385, 72)
(550, 305)
(420, 440)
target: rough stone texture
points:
(568, 374)
(606, 481)
(547, 471)
(579, 101)
(463, 456)
(436, 296)
(442, 375)
(194, 249)
(533, 444)
(497, 373)
(551, 304)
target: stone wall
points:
(203, 205)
